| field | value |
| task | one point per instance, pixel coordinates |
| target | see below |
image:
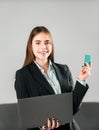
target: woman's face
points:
(41, 46)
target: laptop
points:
(9, 116)
(34, 111)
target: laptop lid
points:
(9, 116)
(35, 111)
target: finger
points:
(49, 123)
(44, 127)
(90, 65)
(86, 64)
(58, 124)
(85, 68)
(53, 123)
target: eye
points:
(37, 43)
(47, 42)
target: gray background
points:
(75, 28)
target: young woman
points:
(40, 75)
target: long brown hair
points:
(29, 53)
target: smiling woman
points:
(42, 48)
(39, 37)
(40, 75)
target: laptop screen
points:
(35, 111)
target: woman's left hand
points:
(51, 124)
(84, 72)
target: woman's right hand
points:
(51, 124)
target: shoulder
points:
(62, 69)
(23, 70)
(61, 66)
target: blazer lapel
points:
(62, 80)
(40, 77)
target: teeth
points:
(44, 52)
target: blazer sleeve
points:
(20, 86)
(21, 90)
(78, 90)
(78, 95)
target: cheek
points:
(50, 48)
(34, 49)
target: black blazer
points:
(30, 82)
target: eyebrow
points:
(40, 41)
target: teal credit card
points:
(87, 58)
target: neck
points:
(43, 64)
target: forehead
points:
(42, 37)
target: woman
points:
(40, 75)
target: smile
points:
(43, 52)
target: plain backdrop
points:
(74, 25)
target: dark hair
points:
(29, 53)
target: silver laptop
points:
(9, 117)
(35, 111)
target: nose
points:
(43, 45)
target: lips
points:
(43, 52)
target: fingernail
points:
(85, 64)
(48, 118)
(53, 118)
(44, 127)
